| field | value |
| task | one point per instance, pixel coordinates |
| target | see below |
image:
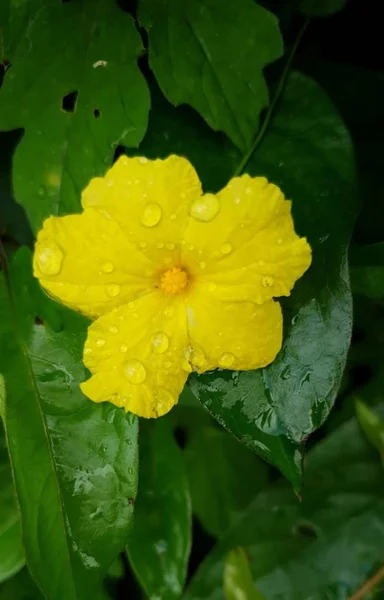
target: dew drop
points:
(160, 245)
(191, 247)
(143, 244)
(279, 241)
(131, 305)
(206, 208)
(113, 329)
(237, 200)
(170, 246)
(173, 216)
(226, 248)
(134, 371)
(160, 342)
(50, 259)
(123, 348)
(195, 356)
(202, 264)
(248, 191)
(168, 311)
(143, 160)
(87, 350)
(151, 215)
(267, 281)
(100, 342)
(113, 290)
(164, 400)
(212, 287)
(226, 360)
(107, 267)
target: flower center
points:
(174, 280)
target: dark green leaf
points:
(372, 426)
(321, 8)
(14, 18)
(368, 281)
(69, 139)
(324, 547)
(223, 476)
(160, 539)
(20, 587)
(74, 462)
(307, 152)
(225, 46)
(238, 583)
(11, 550)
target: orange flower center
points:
(174, 280)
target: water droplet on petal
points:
(267, 281)
(195, 356)
(237, 200)
(87, 350)
(160, 245)
(131, 304)
(151, 214)
(279, 241)
(160, 342)
(100, 342)
(212, 287)
(170, 246)
(123, 348)
(107, 267)
(143, 244)
(168, 311)
(113, 329)
(202, 264)
(49, 259)
(226, 248)
(134, 371)
(164, 400)
(206, 208)
(248, 191)
(226, 360)
(173, 216)
(113, 290)
(143, 160)
(191, 247)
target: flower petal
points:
(232, 335)
(150, 199)
(249, 249)
(87, 262)
(136, 355)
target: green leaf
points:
(218, 471)
(11, 550)
(69, 139)
(225, 46)
(307, 152)
(160, 539)
(324, 547)
(20, 587)
(372, 426)
(14, 18)
(238, 583)
(321, 8)
(74, 462)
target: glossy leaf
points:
(75, 106)
(323, 547)
(321, 8)
(372, 426)
(74, 462)
(160, 539)
(238, 583)
(307, 152)
(11, 550)
(224, 477)
(225, 46)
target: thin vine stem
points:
(279, 91)
(369, 585)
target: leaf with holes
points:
(74, 462)
(160, 539)
(225, 46)
(75, 106)
(323, 547)
(307, 151)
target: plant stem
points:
(276, 97)
(369, 585)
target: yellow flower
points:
(177, 280)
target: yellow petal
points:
(232, 335)
(150, 199)
(137, 355)
(87, 262)
(249, 249)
